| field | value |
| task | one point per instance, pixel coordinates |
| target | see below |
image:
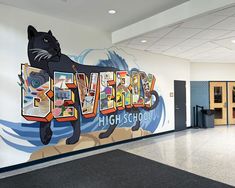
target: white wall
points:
(13, 48)
(166, 69)
(73, 39)
(212, 71)
(13, 51)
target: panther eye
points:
(45, 40)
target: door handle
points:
(177, 108)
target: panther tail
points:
(155, 94)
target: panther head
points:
(42, 48)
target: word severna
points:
(45, 98)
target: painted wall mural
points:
(70, 105)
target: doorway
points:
(231, 103)
(180, 105)
(222, 100)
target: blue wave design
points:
(32, 134)
(35, 137)
(114, 60)
(30, 131)
(27, 149)
(13, 125)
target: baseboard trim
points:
(38, 161)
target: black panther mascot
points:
(44, 53)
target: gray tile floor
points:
(206, 152)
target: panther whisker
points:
(39, 55)
(45, 56)
(42, 57)
(36, 50)
(49, 55)
(33, 49)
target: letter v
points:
(88, 94)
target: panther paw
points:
(103, 135)
(46, 136)
(72, 140)
(135, 128)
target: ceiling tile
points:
(223, 60)
(138, 47)
(176, 50)
(226, 43)
(137, 41)
(182, 33)
(231, 34)
(159, 33)
(171, 53)
(226, 12)
(155, 51)
(204, 39)
(200, 49)
(203, 22)
(215, 53)
(192, 42)
(158, 48)
(210, 34)
(228, 24)
(168, 42)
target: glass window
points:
(218, 113)
(233, 94)
(217, 94)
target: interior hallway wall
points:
(201, 74)
(199, 96)
(212, 71)
(167, 69)
(74, 39)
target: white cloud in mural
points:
(92, 56)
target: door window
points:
(218, 96)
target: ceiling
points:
(206, 38)
(94, 13)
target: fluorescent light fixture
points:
(112, 11)
(233, 41)
(143, 41)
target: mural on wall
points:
(70, 105)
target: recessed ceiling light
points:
(143, 41)
(112, 11)
(233, 41)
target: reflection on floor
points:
(206, 152)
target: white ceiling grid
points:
(203, 39)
